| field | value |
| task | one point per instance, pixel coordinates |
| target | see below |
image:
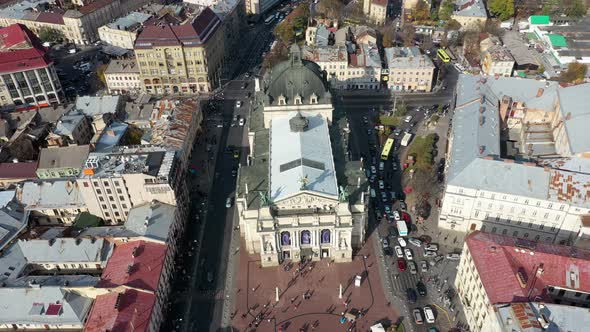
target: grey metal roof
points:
(406, 57)
(574, 102)
(92, 106)
(476, 9)
(296, 77)
(151, 220)
(111, 137)
(515, 43)
(30, 306)
(63, 157)
(65, 250)
(296, 155)
(322, 35)
(68, 123)
(122, 66)
(51, 195)
(561, 317)
(130, 22)
(107, 231)
(12, 218)
(80, 280)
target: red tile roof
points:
(22, 170)
(54, 18)
(516, 270)
(95, 5)
(195, 33)
(135, 264)
(21, 50)
(127, 311)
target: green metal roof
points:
(85, 219)
(557, 40)
(539, 19)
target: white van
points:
(429, 314)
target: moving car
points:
(454, 256)
(387, 209)
(412, 267)
(384, 242)
(429, 314)
(411, 294)
(399, 252)
(228, 202)
(408, 118)
(381, 185)
(396, 215)
(373, 170)
(417, 316)
(401, 264)
(421, 288)
(242, 121)
(408, 254)
(383, 196)
(238, 104)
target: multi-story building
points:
(14, 218)
(112, 183)
(503, 270)
(537, 317)
(259, 7)
(122, 77)
(123, 31)
(70, 129)
(13, 173)
(55, 202)
(535, 189)
(469, 12)
(61, 162)
(288, 198)
(497, 60)
(376, 10)
(79, 26)
(181, 59)
(27, 75)
(409, 70)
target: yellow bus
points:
(386, 149)
(443, 55)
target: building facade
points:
(61, 162)
(409, 70)
(497, 60)
(470, 12)
(529, 272)
(52, 202)
(27, 75)
(123, 31)
(122, 77)
(112, 183)
(259, 7)
(376, 10)
(298, 211)
(71, 129)
(182, 59)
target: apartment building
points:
(79, 26)
(409, 70)
(503, 270)
(123, 31)
(181, 59)
(27, 75)
(113, 183)
(469, 12)
(122, 77)
(70, 129)
(55, 202)
(543, 198)
(61, 162)
(259, 7)
(376, 10)
(497, 60)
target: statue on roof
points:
(342, 195)
(303, 181)
(264, 200)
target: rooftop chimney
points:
(540, 92)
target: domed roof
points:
(296, 78)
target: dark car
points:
(411, 293)
(392, 231)
(421, 288)
(388, 251)
(403, 206)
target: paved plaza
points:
(309, 295)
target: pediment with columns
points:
(304, 200)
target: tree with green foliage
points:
(446, 10)
(421, 148)
(51, 35)
(133, 135)
(401, 109)
(577, 9)
(576, 72)
(388, 120)
(434, 14)
(421, 11)
(504, 9)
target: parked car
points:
(242, 121)
(396, 215)
(384, 242)
(421, 288)
(424, 266)
(373, 170)
(401, 264)
(383, 196)
(411, 294)
(415, 242)
(429, 253)
(401, 241)
(408, 254)
(408, 118)
(431, 247)
(412, 267)
(238, 104)
(417, 316)
(403, 206)
(453, 256)
(388, 251)
(387, 209)
(438, 258)
(429, 314)
(399, 252)
(381, 186)
(228, 202)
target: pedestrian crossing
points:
(404, 281)
(211, 294)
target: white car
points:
(429, 314)
(373, 170)
(408, 254)
(408, 118)
(431, 247)
(72, 50)
(396, 215)
(398, 252)
(228, 202)
(454, 256)
(401, 241)
(415, 242)
(238, 104)
(412, 267)
(242, 121)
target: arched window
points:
(305, 237)
(285, 239)
(325, 236)
(282, 100)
